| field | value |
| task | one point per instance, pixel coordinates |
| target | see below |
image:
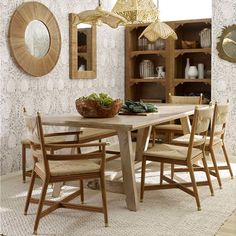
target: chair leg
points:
(195, 191)
(31, 186)
(40, 206)
(82, 191)
(153, 136)
(227, 161)
(142, 178)
(215, 167)
(207, 174)
(172, 171)
(104, 199)
(23, 162)
(161, 172)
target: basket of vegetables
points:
(98, 106)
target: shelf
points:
(192, 50)
(148, 52)
(150, 80)
(181, 81)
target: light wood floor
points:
(229, 227)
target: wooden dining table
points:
(124, 124)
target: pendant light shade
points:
(99, 15)
(158, 30)
(136, 11)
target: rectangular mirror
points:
(82, 50)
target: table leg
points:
(127, 163)
(142, 142)
(186, 125)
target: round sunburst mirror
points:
(34, 38)
(227, 44)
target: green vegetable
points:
(103, 98)
(138, 107)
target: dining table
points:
(123, 125)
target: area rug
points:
(165, 212)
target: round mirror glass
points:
(37, 38)
(229, 44)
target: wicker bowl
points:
(188, 44)
(92, 109)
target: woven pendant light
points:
(136, 11)
(98, 16)
(158, 30)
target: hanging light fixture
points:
(98, 16)
(145, 11)
(136, 11)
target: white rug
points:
(166, 212)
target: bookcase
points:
(172, 56)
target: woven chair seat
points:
(184, 140)
(171, 152)
(61, 168)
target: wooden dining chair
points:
(181, 155)
(56, 167)
(85, 135)
(173, 128)
(215, 140)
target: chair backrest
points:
(185, 99)
(201, 122)
(219, 121)
(36, 138)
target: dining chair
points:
(215, 140)
(181, 155)
(57, 167)
(85, 135)
(173, 128)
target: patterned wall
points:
(55, 92)
(223, 72)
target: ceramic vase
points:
(160, 72)
(192, 72)
(186, 76)
(200, 71)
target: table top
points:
(166, 112)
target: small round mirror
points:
(37, 38)
(229, 44)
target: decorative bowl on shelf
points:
(188, 44)
(90, 108)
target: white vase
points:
(186, 69)
(192, 72)
(200, 71)
(160, 71)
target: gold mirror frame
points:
(221, 52)
(74, 72)
(23, 15)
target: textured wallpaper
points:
(224, 72)
(56, 93)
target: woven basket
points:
(92, 109)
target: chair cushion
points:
(170, 127)
(171, 152)
(184, 140)
(59, 168)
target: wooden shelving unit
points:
(173, 57)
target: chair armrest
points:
(71, 157)
(63, 133)
(75, 145)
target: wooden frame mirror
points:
(227, 44)
(34, 38)
(83, 55)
